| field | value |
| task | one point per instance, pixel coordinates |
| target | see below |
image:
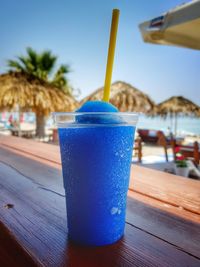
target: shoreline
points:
(188, 138)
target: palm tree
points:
(40, 66)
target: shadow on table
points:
(77, 255)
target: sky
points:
(77, 32)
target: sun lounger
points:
(155, 137)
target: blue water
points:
(96, 169)
(185, 125)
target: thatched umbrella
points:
(30, 94)
(175, 106)
(126, 98)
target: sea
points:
(185, 125)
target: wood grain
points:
(172, 209)
(175, 190)
(37, 220)
(33, 148)
(51, 177)
(182, 193)
(11, 253)
(173, 229)
(31, 185)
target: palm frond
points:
(60, 80)
(14, 64)
(63, 69)
(41, 66)
(33, 56)
(47, 61)
(27, 65)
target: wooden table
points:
(162, 224)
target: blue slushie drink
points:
(96, 150)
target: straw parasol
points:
(125, 97)
(18, 89)
(175, 106)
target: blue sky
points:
(78, 32)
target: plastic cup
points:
(96, 153)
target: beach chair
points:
(155, 137)
(148, 136)
(189, 152)
(138, 148)
(164, 142)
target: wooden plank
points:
(173, 229)
(11, 253)
(37, 219)
(175, 190)
(181, 233)
(171, 189)
(31, 147)
(52, 178)
(177, 211)
(36, 171)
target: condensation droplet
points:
(114, 210)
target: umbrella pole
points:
(171, 124)
(175, 125)
(19, 126)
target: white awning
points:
(180, 26)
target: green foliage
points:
(41, 65)
(59, 79)
(181, 163)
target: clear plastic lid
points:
(89, 119)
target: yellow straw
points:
(111, 53)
